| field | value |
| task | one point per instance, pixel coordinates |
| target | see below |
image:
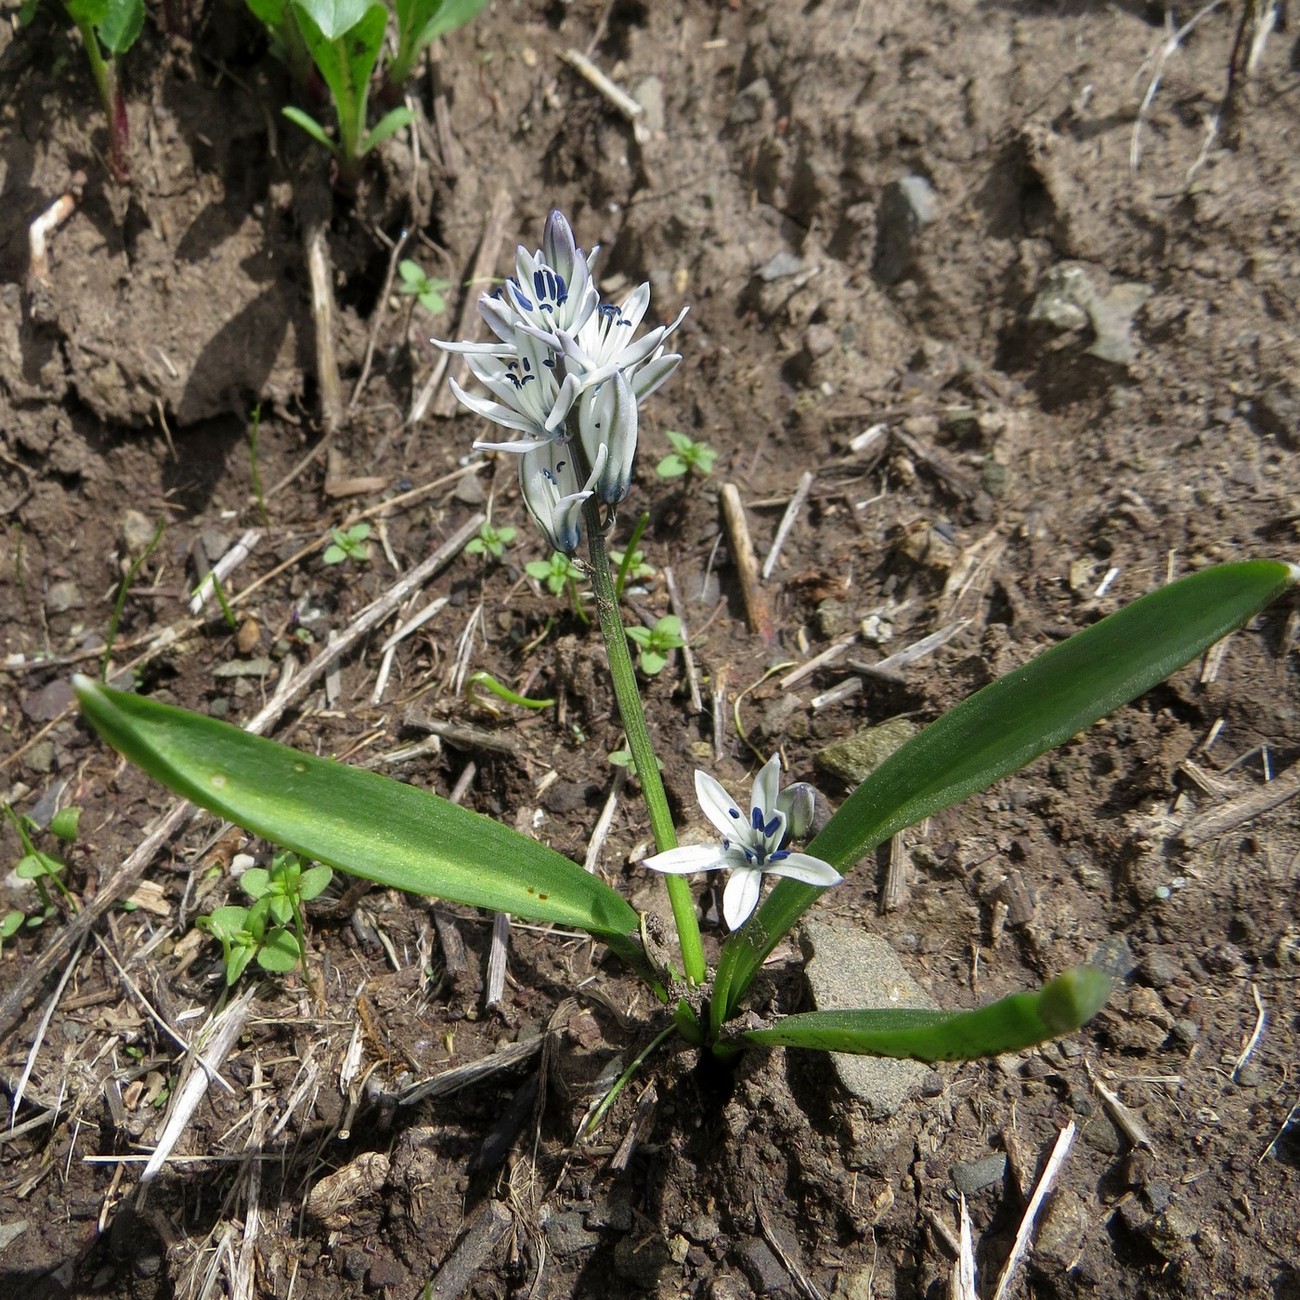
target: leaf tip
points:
(1073, 998)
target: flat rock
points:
(848, 970)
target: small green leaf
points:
(335, 18)
(313, 883)
(11, 923)
(390, 124)
(37, 865)
(121, 26)
(1009, 1025)
(310, 125)
(255, 881)
(64, 824)
(280, 952)
(672, 466)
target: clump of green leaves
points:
(44, 869)
(108, 29)
(348, 544)
(686, 457)
(559, 574)
(271, 929)
(493, 541)
(654, 643)
(343, 40)
(431, 294)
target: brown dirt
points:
(1014, 470)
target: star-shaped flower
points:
(751, 843)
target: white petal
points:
(767, 785)
(651, 375)
(688, 859)
(741, 896)
(519, 445)
(719, 807)
(803, 866)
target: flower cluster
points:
(567, 374)
(751, 845)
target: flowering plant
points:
(566, 373)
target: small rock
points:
(905, 206)
(136, 534)
(46, 704)
(259, 667)
(702, 1228)
(1222, 959)
(766, 1273)
(248, 636)
(857, 756)
(1158, 970)
(833, 617)
(847, 969)
(63, 596)
(384, 1273)
(649, 93)
(973, 1176)
(470, 491)
(566, 1234)
(40, 758)
(640, 1260)
(1061, 1232)
(780, 266)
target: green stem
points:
(638, 738)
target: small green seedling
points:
(344, 39)
(419, 24)
(560, 574)
(493, 541)
(262, 931)
(431, 294)
(350, 544)
(686, 457)
(632, 567)
(43, 869)
(654, 643)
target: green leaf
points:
(255, 881)
(88, 12)
(1006, 725)
(313, 883)
(308, 124)
(390, 124)
(353, 820)
(121, 26)
(36, 866)
(10, 924)
(334, 18)
(672, 466)
(1013, 1023)
(64, 824)
(280, 952)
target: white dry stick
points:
(1043, 1189)
(719, 711)
(620, 99)
(787, 521)
(223, 568)
(222, 1033)
(894, 893)
(604, 821)
(244, 1267)
(39, 1038)
(961, 1281)
(1163, 52)
(836, 695)
(389, 649)
(1125, 1120)
(1261, 1020)
(38, 233)
(688, 659)
(496, 969)
(461, 1076)
(827, 656)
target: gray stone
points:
(649, 93)
(973, 1176)
(641, 1259)
(1061, 1232)
(63, 596)
(566, 1233)
(905, 206)
(854, 758)
(848, 970)
(766, 1273)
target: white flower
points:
(607, 422)
(751, 845)
(549, 483)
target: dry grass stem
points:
(688, 656)
(787, 521)
(1042, 1190)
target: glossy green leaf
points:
(390, 124)
(354, 820)
(999, 729)
(313, 129)
(121, 25)
(334, 18)
(1013, 1023)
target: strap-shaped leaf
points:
(1011, 721)
(357, 821)
(1013, 1023)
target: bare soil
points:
(970, 465)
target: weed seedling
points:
(654, 643)
(431, 294)
(492, 540)
(686, 457)
(349, 544)
(560, 575)
(43, 869)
